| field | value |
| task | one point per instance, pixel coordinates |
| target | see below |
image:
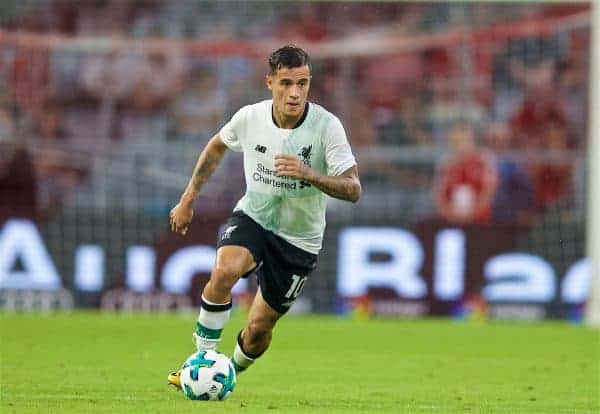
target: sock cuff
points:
(246, 354)
(214, 307)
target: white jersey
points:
(290, 208)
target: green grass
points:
(88, 363)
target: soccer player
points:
(295, 154)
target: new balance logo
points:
(260, 149)
(227, 232)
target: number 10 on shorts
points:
(296, 288)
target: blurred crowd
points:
(504, 122)
(238, 19)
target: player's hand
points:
(181, 217)
(293, 167)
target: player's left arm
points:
(345, 186)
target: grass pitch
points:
(95, 363)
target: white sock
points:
(211, 321)
(241, 360)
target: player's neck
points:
(286, 122)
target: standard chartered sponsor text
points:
(266, 175)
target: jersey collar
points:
(300, 121)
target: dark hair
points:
(288, 56)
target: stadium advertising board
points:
(437, 270)
(30, 278)
(428, 270)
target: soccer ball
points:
(207, 375)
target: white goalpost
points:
(593, 219)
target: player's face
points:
(290, 89)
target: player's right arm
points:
(181, 215)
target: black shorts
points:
(282, 268)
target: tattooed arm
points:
(345, 186)
(211, 156)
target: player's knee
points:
(224, 277)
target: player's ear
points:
(269, 81)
